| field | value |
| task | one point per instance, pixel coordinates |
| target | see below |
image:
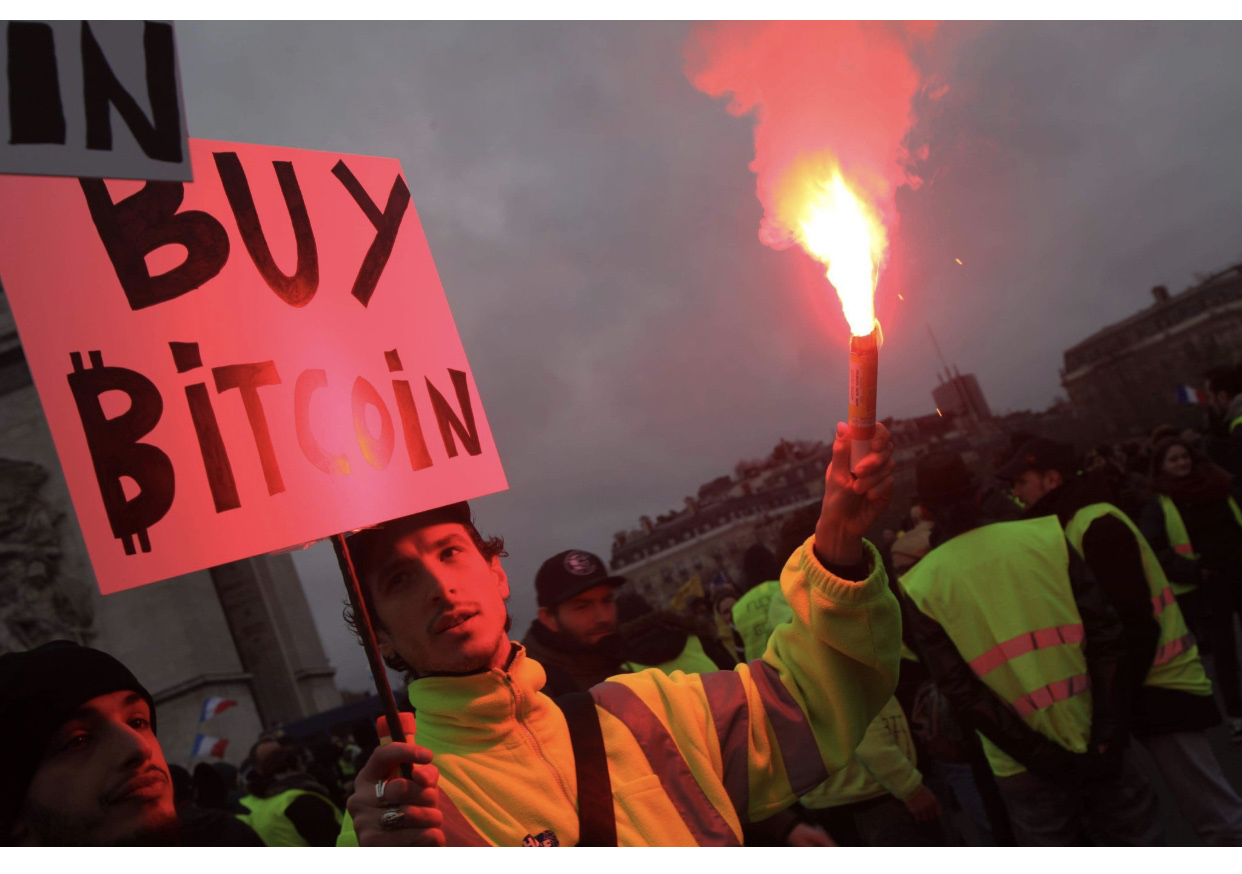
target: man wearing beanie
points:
(575, 634)
(79, 761)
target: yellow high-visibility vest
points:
(1002, 594)
(1179, 537)
(1176, 664)
(267, 817)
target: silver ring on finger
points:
(393, 818)
(379, 790)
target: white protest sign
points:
(99, 98)
(260, 358)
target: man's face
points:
(586, 618)
(439, 604)
(103, 780)
(1031, 485)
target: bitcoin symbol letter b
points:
(116, 452)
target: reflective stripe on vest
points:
(793, 735)
(1175, 527)
(1174, 648)
(704, 822)
(1180, 669)
(1166, 598)
(1024, 643)
(1051, 694)
(1002, 593)
(726, 699)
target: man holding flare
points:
(687, 759)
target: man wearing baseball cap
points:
(79, 761)
(575, 634)
(1038, 467)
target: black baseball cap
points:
(1039, 454)
(570, 573)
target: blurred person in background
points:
(574, 635)
(1015, 632)
(285, 806)
(1223, 441)
(1166, 697)
(205, 825)
(1195, 527)
(651, 638)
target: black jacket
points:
(661, 635)
(571, 666)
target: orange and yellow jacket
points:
(690, 756)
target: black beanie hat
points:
(39, 690)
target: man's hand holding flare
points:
(411, 807)
(853, 501)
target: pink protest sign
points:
(253, 360)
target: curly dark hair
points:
(362, 543)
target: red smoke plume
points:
(837, 89)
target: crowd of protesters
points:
(1054, 612)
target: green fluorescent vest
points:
(267, 818)
(750, 617)
(1179, 537)
(1002, 594)
(1176, 664)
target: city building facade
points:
(711, 533)
(1127, 375)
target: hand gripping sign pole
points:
(360, 602)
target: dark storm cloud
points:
(595, 228)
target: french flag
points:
(1188, 394)
(212, 706)
(206, 745)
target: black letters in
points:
(247, 378)
(146, 220)
(116, 451)
(298, 289)
(386, 224)
(160, 136)
(468, 434)
(210, 442)
(36, 114)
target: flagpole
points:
(360, 602)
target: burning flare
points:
(818, 209)
(838, 228)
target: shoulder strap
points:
(597, 824)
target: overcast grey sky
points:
(595, 228)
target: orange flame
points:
(838, 228)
